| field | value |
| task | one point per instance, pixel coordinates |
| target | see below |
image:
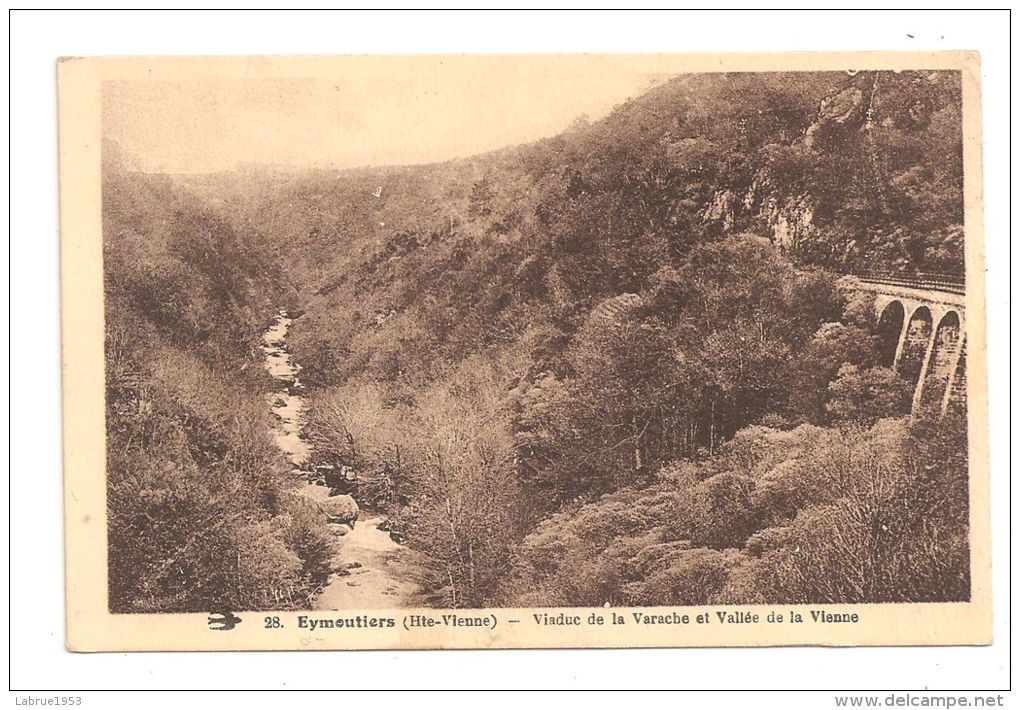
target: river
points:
(371, 571)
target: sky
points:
(360, 112)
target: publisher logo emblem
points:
(223, 621)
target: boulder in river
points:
(340, 509)
(342, 530)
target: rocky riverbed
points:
(371, 571)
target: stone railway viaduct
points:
(920, 320)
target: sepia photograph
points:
(647, 341)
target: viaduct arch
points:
(920, 320)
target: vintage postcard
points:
(524, 351)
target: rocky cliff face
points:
(870, 138)
(786, 218)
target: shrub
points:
(863, 397)
(695, 577)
